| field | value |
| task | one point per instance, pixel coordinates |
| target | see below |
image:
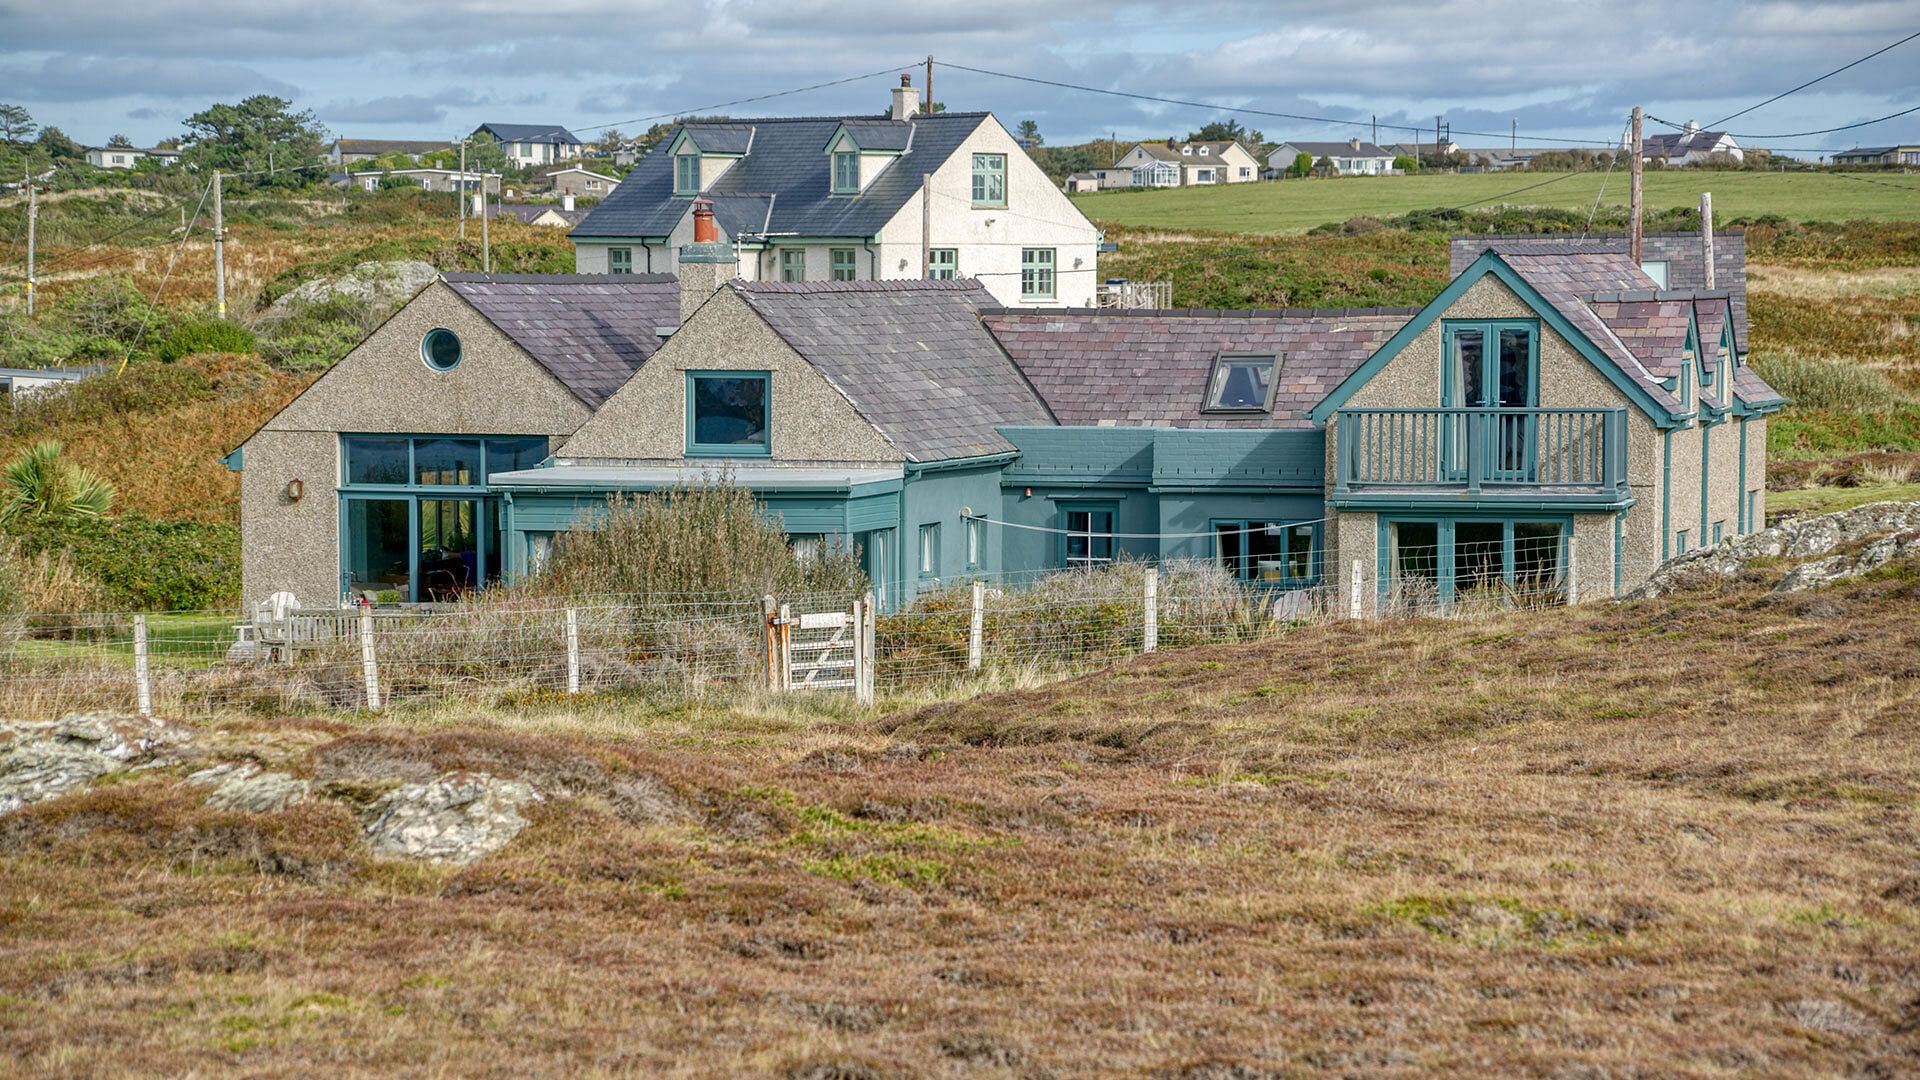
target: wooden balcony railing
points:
(1571, 451)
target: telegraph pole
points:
(1706, 232)
(219, 251)
(486, 246)
(33, 215)
(1513, 137)
(1633, 187)
(462, 186)
(1436, 141)
(929, 83)
(926, 228)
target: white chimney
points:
(1692, 127)
(905, 102)
(566, 200)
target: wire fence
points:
(509, 650)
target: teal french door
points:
(1491, 365)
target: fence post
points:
(573, 651)
(866, 664)
(976, 630)
(1150, 639)
(1573, 570)
(785, 650)
(1353, 605)
(768, 612)
(367, 669)
(142, 681)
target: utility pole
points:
(486, 245)
(219, 251)
(33, 215)
(1706, 233)
(929, 84)
(462, 185)
(926, 228)
(1633, 186)
(1376, 130)
(1436, 141)
(1513, 139)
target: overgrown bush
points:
(691, 538)
(13, 596)
(146, 564)
(313, 336)
(1818, 383)
(205, 336)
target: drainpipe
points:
(1740, 495)
(873, 263)
(1666, 494)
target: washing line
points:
(1141, 536)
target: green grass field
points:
(1297, 205)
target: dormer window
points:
(846, 173)
(989, 179)
(1241, 383)
(1205, 150)
(1186, 151)
(686, 174)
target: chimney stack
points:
(1355, 144)
(905, 102)
(566, 200)
(706, 264)
(1692, 127)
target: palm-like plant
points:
(40, 484)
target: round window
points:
(440, 349)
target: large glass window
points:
(510, 455)
(990, 179)
(1241, 383)
(943, 264)
(686, 174)
(1267, 552)
(1036, 274)
(793, 264)
(377, 563)
(1088, 535)
(449, 548)
(1434, 562)
(841, 265)
(447, 461)
(728, 412)
(375, 460)
(846, 173)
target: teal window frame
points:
(843, 264)
(620, 260)
(765, 446)
(1451, 394)
(928, 551)
(976, 543)
(989, 187)
(427, 354)
(1246, 572)
(846, 172)
(1065, 534)
(793, 264)
(1719, 528)
(683, 184)
(1680, 542)
(488, 511)
(1034, 270)
(1446, 525)
(943, 264)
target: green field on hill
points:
(1297, 205)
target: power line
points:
(1810, 82)
(1828, 131)
(1215, 106)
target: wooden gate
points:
(822, 650)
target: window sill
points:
(989, 206)
(727, 451)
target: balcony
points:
(1498, 457)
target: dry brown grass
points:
(1671, 838)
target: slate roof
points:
(912, 357)
(536, 133)
(879, 135)
(1655, 330)
(1686, 262)
(530, 211)
(592, 331)
(717, 138)
(1566, 281)
(1335, 149)
(1172, 153)
(390, 146)
(1151, 367)
(787, 165)
(1676, 144)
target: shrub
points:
(691, 539)
(146, 564)
(13, 596)
(205, 336)
(41, 486)
(1816, 383)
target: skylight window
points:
(1241, 383)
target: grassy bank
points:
(1591, 840)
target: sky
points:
(1560, 69)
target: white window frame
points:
(987, 168)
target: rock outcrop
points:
(379, 284)
(243, 786)
(456, 818)
(45, 759)
(1897, 523)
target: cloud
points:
(90, 78)
(395, 109)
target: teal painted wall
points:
(936, 498)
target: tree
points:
(1030, 131)
(483, 155)
(245, 138)
(611, 140)
(1403, 163)
(120, 142)
(1302, 164)
(55, 144)
(40, 484)
(16, 124)
(1228, 130)
(1324, 166)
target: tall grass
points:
(1817, 383)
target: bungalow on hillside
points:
(533, 144)
(18, 383)
(559, 215)
(1688, 146)
(576, 181)
(1350, 158)
(853, 198)
(1178, 164)
(127, 157)
(1908, 154)
(429, 179)
(1553, 422)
